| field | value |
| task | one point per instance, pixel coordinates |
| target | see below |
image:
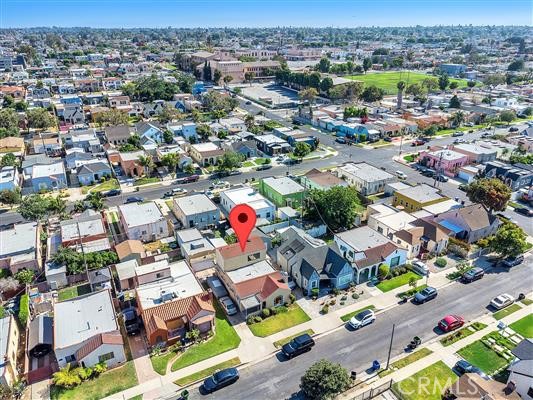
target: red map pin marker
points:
(242, 219)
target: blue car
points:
(220, 379)
(134, 199)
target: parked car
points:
(485, 135)
(300, 344)
(340, 140)
(502, 301)
(457, 134)
(457, 141)
(188, 179)
(450, 323)
(401, 175)
(134, 199)
(524, 211)
(462, 367)
(427, 294)
(220, 379)
(441, 178)
(179, 191)
(131, 321)
(417, 142)
(420, 268)
(168, 194)
(228, 305)
(113, 192)
(263, 167)
(512, 261)
(513, 129)
(463, 187)
(469, 124)
(473, 275)
(217, 287)
(387, 139)
(365, 317)
(248, 102)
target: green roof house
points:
(282, 191)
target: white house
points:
(86, 331)
(521, 369)
(365, 178)
(263, 207)
(143, 222)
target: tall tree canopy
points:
(491, 192)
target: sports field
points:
(388, 80)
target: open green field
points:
(388, 80)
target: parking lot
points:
(272, 94)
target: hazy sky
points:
(211, 13)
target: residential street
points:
(276, 378)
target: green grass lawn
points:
(403, 362)
(225, 339)
(526, 301)
(248, 164)
(108, 383)
(412, 291)
(400, 280)
(410, 158)
(207, 372)
(427, 384)
(348, 316)
(462, 333)
(102, 187)
(159, 363)
(524, 326)
(261, 161)
(138, 397)
(276, 323)
(482, 357)
(281, 342)
(388, 80)
(73, 291)
(145, 180)
(506, 311)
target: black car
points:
(134, 199)
(441, 178)
(387, 139)
(512, 261)
(429, 173)
(473, 275)
(263, 167)
(524, 211)
(113, 192)
(298, 345)
(131, 321)
(513, 129)
(427, 294)
(463, 187)
(220, 379)
(464, 367)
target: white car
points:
(228, 305)
(179, 191)
(420, 268)
(401, 175)
(365, 317)
(502, 301)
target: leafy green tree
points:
(302, 149)
(324, 380)
(111, 118)
(383, 271)
(507, 116)
(337, 207)
(227, 79)
(170, 161)
(36, 207)
(9, 160)
(324, 65)
(207, 73)
(353, 90)
(189, 169)
(10, 197)
(326, 84)
(40, 118)
(151, 88)
(216, 76)
(454, 85)
(458, 118)
(494, 80)
(9, 123)
(471, 84)
(203, 130)
(248, 77)
(96, 201)
(367, 64)
(147, 163)
(229, 161)
(516, 65)
(25, 276)
(66, 377)
(314, 80)
(372, 93)
(443, 82)
(431, 84)
(492, 193)
(169, 114)
(510, 240)
(454, 102)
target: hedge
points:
(24, 309)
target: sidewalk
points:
(439, 353)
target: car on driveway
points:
(220, 379)
(228, 305)
(473, 275)
(427, 294)
(524, 211)
(512, 261)
(365, 317)
(134, 199)
(400, 175)
(462, 367)
(502, 301)
(451, 322)
(131, 321)
(300, 344)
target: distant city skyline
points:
(271, 13)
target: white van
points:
(401, 175)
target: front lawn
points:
(261, 161)
(411, 292)
(276, 323)
(145, 180)
(159, 363)
(524, 326)
(349, 316)
(281, 342)
(410, 158)
(506, 311)
(73, 291)
(400, 280)
(248, 164)
(225, 339)
(403, 362)
(482, 357)
(108, 383)
(207, 372)
(427, 384)
(102, 187)
(462, 333)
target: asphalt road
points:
(277, 378)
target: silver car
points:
(228, 305)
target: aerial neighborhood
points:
(387, 168)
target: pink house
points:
(448, 161)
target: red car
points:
(451, 322)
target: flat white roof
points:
(208, 146)
(244, 195)
(195, 204)
(366, 172)
(256, 270)
(140, 214)
(283, 185)
(40, 170)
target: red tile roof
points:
(262, 286)
(253, 245)
(96, 341)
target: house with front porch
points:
(205, 154)
(422, 238)
(367, 249)
(446, 161)
(365, 178)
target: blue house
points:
(48, 177)
(198, 87)
(453, 69)
(353, 131)
(185, 129)
(149, 131)
(91, 173)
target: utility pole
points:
(83, 256)
(390, 346)
(438, 170)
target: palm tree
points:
(458, 118)
(67, 377)
(401, 87)
(189, 168)
(249, 121)
(96, 200)
(147, 163)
